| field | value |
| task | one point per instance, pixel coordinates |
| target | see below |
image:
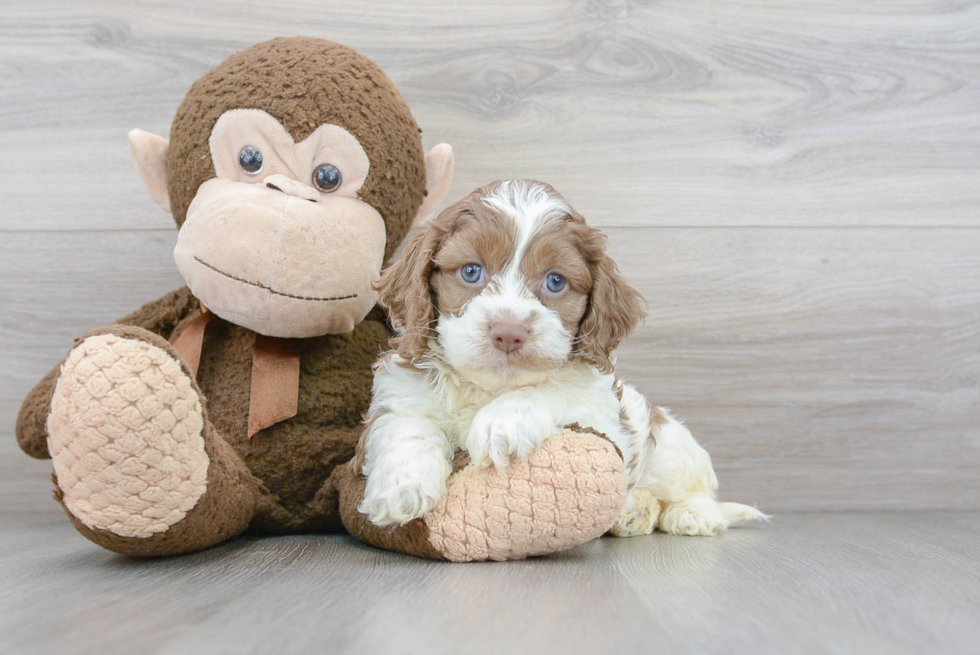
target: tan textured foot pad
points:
(568, 492)
(125, 434)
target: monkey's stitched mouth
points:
(270, 290)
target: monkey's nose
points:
(508, 337)
(289, 186)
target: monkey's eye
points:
(471, 273)
(250, 159)
(554, 282)
(327, 178)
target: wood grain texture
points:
(794, 186)
(645, 113)
(816, 583)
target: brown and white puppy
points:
(507, 311)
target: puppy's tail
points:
(736, 513)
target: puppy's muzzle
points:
(508, 337)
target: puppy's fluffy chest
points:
(574, 393)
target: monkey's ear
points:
(438, 176)
(150, 155)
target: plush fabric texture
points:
(150, 156)
(263, 259)
(159, 317)
(281, 155)
(226, 507)
(289, 463)
(568, 492)
(126, 437)
(294, 458)
(304, 83)
(223, 512)
(32, 419)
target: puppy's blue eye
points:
(554, 282)
(250, 159)
(471, 273)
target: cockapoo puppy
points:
(507, 311)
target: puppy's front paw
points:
(399, 493)
(508, 427)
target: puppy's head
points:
(512, 283)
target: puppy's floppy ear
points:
(615, 308)
(404, 291)
(404, 286)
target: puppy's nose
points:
(508, 337)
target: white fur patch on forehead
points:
(530, 204)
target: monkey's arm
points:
(160, 316)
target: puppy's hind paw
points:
(699, 517)
(639, 515)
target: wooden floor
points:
(857, 583)
(795, 188)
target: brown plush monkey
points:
(294, 170)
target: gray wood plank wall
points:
(795, 187)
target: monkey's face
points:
(296, 169)
(279, 242)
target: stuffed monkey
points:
(294, 170)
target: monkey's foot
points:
(126, 436)
(568, 492)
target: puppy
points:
(506, 312)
